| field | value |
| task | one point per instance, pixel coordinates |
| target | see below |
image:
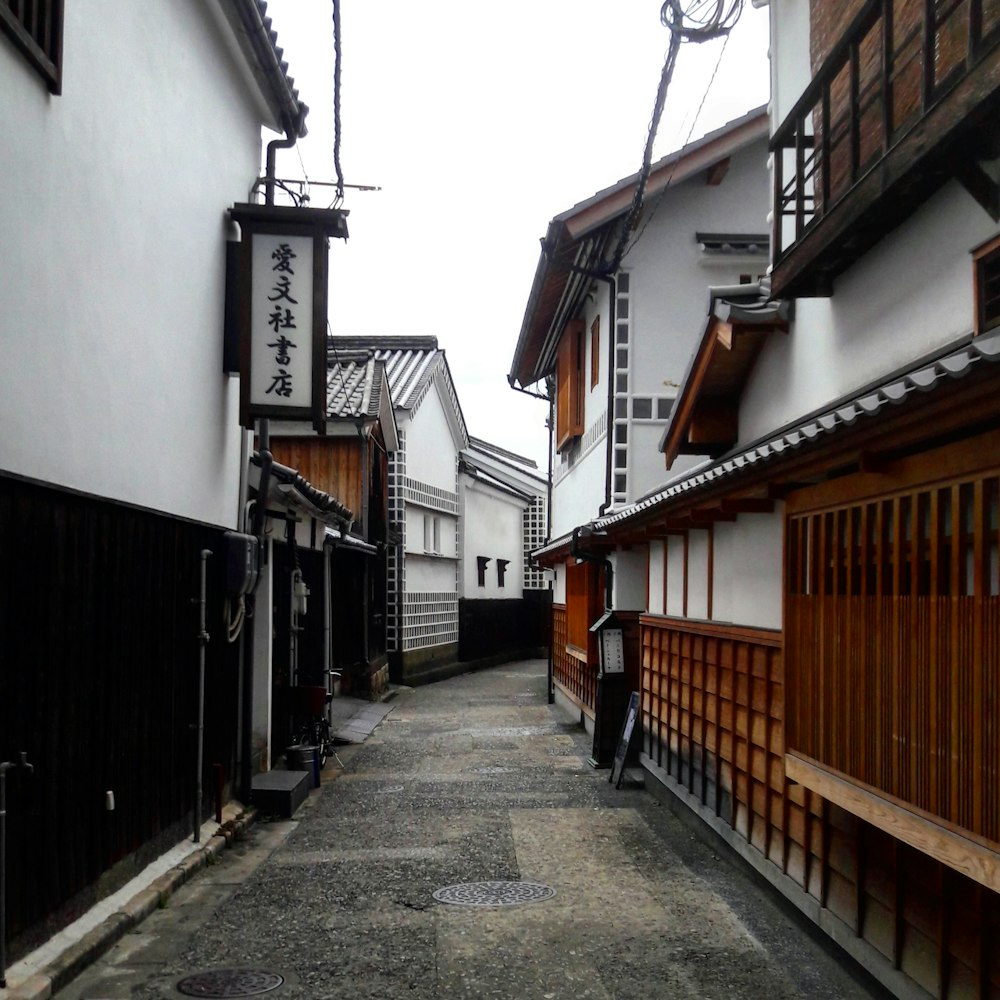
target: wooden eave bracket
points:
(716, 173)
(980, 184)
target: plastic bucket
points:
(304, 758)
(335, 683)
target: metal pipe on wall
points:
(21, 762)
(202, 643)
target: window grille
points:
(36, 27)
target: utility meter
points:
(242, 561)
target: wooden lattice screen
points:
(893, 636)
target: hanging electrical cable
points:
(693, 21)
(336, 102)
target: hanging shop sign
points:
(282, 308)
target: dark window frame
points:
(37, 32)
(986, 281)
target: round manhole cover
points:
(493, 893)
(229, 983)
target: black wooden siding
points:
(98, 683)
(503, 628)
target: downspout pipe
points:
(609, 569)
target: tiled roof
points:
(410, 362)
(260, 42)
(353, 384)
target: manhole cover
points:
(493, 770)
(493, 893)
(229, 983)
(389, 790)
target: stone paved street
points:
(470, 780)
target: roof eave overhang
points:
(249, 24)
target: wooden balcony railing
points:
(905, 79)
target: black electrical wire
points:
(700, 21)
(336, 100)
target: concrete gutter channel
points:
(50, 968)
(42, 982)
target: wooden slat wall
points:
(893, 616)
(577, 679)
(99, 686)
(332, 464)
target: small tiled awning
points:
(705, 415)
(895, 390)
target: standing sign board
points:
(283, 310)
(628, 728)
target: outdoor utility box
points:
(242, 561)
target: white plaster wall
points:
(748, 570)
(790, 59)
(430, 574)
(113, 202)
(559, 585)
(576, 499)
(629, 581)
(493, 528)
(909, 295)
(698, 574)
(656, 555)
(431, 452)
(669, 282)
(675, 576)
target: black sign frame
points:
(625, 740)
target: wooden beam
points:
(747, 505)
(972, 857)
(714, 422)
(717, 172)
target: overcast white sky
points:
(480, 122)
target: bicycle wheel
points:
(321, 739)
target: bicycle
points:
(307, 704)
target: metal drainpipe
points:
(327, 613)
(21, 762)
(202, 643)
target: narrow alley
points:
(471, 780)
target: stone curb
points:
(67, 966)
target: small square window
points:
(621, 336)
(620, 484)
(621, 382)
(621, 408)
(664, 407)
(623, 283)
(642, 408)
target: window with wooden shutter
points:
(569, 384)
(584, 603)
(35, 27)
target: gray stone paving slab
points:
(472, 780)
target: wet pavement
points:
(472, 780)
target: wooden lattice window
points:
(36, 27)
(893, 633)
(987, 285)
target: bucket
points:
(304, 758)
(335, 683)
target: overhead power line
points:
(687, 21)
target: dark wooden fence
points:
(98, 685)
(503, 628)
